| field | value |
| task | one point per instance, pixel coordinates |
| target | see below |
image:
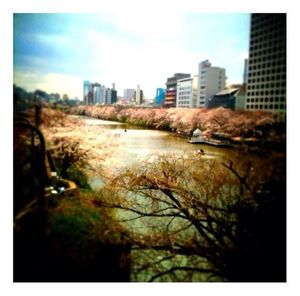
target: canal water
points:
(130, 145)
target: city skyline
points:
(56, 52)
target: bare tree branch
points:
(184, 268)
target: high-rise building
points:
(86, 92)
(96, 93)
(266, 87)
(111, 96)
(171, 89)
(138, 95)
(245, 74)
(129, 95)
(160, 96)
(211, 81)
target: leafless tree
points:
(182, 215)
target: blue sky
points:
(56, 52)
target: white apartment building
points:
(211, 81)
(138, 95)
(186, 95)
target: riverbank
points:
(69, 238)
(234, 125)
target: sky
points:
(55, 52)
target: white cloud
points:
(51, 82)
(146, 63)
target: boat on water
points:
(197, 138)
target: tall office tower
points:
(171, 89)
(129, 94)
(245, 74)
(266, 88)
(96, 93)
(86, 90)
(111, 96)
(211, 81)
(160, 96)
(138, 95)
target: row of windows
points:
(269, 106)
(277, 58)
(255, 84)
(184, 87)
(274, 33)
(262, 49)
(183, 104)
(275, 67)
(267, 75)
(269, 25)
(265, 100)
(183, 97)
(267, 93)
(269, 43)
(265, 30)
(182, 93)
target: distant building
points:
(186, 92)
(195, 90)
(266, 87)
(233, 98)
(171, 89)
(211, 81)
(87, 96)
(225, 99)
(129, 95)
(111, 96)
(138, 96)
(240, 98)
(160, 96)
(96, 93)
(245, 74)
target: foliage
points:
(200, 215)
(233, 123)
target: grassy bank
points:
(70, 239)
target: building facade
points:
(129, 95)
(211, 81)
(111, 96)
(160, 96)
(224, 99)
(86, 92)
(97, 94)
(138, 96)
(245, 74)
(266, 87)
(171, 89)
(184, 93)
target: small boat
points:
(197, 138)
